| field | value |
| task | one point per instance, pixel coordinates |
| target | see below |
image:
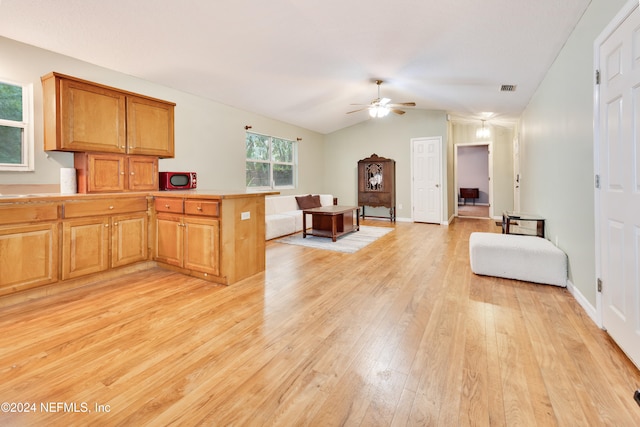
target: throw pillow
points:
(308, 202)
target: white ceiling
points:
(303, 61)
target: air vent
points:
(508, 88)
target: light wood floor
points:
(476, 211)
(400, 333)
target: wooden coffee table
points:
(331, 221)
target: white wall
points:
(556, 152)
(209, 136)
(388, 137)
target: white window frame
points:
(26, 125)
(294, 164)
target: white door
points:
(427, 186)
(618, 163)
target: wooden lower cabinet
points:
(28, 256)
(95, 244)
(188, 242)
(129, 239)
(201, 245)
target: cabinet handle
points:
(121, 173)
(133, 173)
(106, 225)
(115, 224)
(199, 208)
(110, 207)
(167, 206)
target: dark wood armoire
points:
(377, 184)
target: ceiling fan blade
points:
(403, 104)
(355, 111)
(398, 111)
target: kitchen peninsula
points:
(53, 242)
(120, 221)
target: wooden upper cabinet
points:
(149, 127)
(142, 173)
(82, 116)
(108, 173)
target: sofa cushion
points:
(279, 225)
(308, 202)
(279, 204)
(326, 199)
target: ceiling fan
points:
(380, 107)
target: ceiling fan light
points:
(378, 111)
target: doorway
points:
(473, 168)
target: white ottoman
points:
(527, 258)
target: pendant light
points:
(483, 132)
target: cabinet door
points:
(28, 256)
(169, 247)
(85, 246)
(128, 239)
(150, 128)
(142, 173)
(91, 118)
(105, 173)
(201, 245)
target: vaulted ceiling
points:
(305, 62)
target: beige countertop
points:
(195, 194)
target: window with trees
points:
(16, 127)
(271, 162)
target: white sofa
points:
(283, 215)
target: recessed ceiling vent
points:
(508, 88)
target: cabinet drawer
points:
(374, 199)
(104, 207)
(202, 207)
(13, 214)
(169, 204)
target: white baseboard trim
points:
(584, 303)
(450, 220)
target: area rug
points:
(349, 243)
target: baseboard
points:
(584, 303)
